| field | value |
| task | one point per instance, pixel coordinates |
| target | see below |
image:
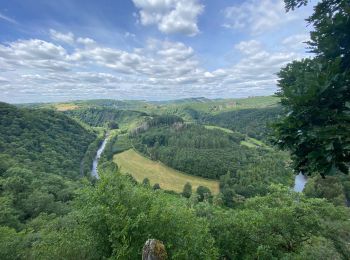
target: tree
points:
(113, 125)
(316, 92)
(204, 193)
(156, 186)
(146, 182)
(187, 191)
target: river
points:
(300, 181)
(94, 171)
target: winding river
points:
(299, 183)
(94, 171)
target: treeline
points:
(102, 116)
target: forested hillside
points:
(100, 116)
(38, 140)
(40, 158)
(253, 122)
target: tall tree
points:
(316, 94)
(187, 191)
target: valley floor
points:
(169, 179)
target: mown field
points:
(169, 179)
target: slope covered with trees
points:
(40, 159)
(38, 139)
(102, 116)
(252, 122)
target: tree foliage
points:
(316, 92)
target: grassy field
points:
(65, 107)
(169, 179)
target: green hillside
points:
(42, 140)
(100, 116)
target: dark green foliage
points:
(315, 94)
(156, 186)
(252, 122)
(333, 188)
(113, 125)
(99, 116)
(164, 120)
(146, 182)
(187, 192)
(42, 140)
(116, 210)
(40, 157)
(281, 225)
(203, 193)
(188, 147)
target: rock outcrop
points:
(154, 250)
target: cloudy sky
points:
(145, 49)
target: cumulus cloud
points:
(258, 16)
(46, 71)
(34, 53)
(171, 16)
(256, 71)
(248, 47)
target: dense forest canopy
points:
(101, 116)
(252, 122)
(40, 164)
(37, 139)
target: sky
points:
(146, 49)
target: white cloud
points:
(249, 47)
(171, 16)
(257, 16)
(8, 19)
(86, 41)
(62, 37)
(34, 53)
(45, 71)
(296, 41)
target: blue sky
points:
(145, 49)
